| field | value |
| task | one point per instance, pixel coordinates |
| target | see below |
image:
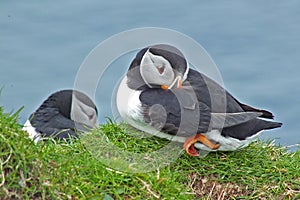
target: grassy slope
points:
(72, 171)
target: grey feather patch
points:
(158, 116)
(223, 120)
(191, 107)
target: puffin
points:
(63, 115)
(165, 93)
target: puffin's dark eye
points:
(91, 117)
(161, 69)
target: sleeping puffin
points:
(62, 115)
(163, 92)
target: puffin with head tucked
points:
(64, 114)
(184, 103)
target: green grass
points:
(115, 162)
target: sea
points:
(255, 46)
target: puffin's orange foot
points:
(190, 141)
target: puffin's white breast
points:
(33, 134)
(128, 102)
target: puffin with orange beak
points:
(165, 93)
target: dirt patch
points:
(207, 187)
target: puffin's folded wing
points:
(214, 95)
(223, 120)
(59, 126)
(174, 111)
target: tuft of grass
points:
(118, 162)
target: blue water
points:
(255, 44)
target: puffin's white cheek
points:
(80, 113)
(89, 117)
(151, 76)
(148, 73)
(78, 116)
(168, 76)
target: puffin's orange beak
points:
(178, 79)
(179, 84)
(164, 87)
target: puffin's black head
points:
(160, 65)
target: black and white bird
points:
(161, 90)
(62, 115)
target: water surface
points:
(255, 44)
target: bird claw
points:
(190, 141)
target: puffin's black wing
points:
(220, 101)
(216, 97)
(175, 111)
(56, 126)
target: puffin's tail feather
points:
(265, 113)
(271, 125)
(247, 129)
